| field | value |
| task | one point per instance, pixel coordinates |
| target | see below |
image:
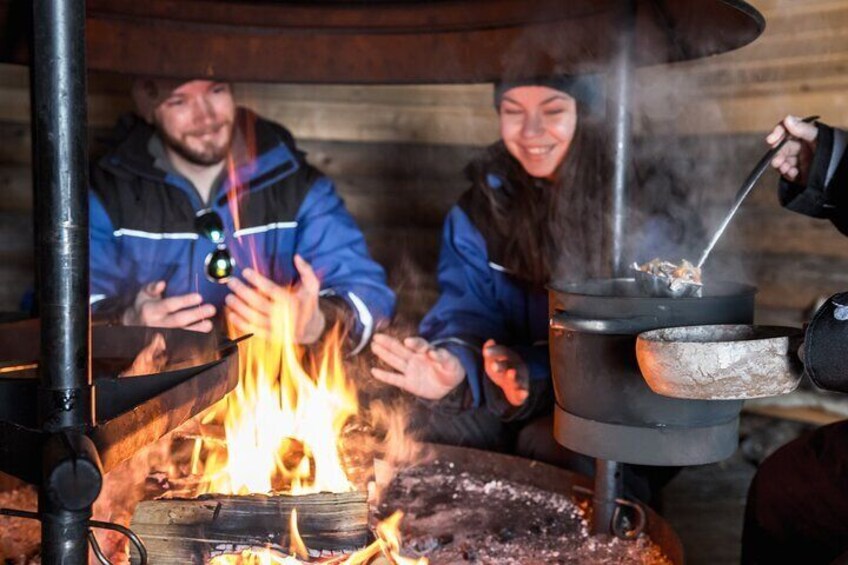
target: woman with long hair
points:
(533, 214)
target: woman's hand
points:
(422, 370)
(257, 307)
(507, 370)
(796, 156)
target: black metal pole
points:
(608, 481)
(71, 469)
(621, 95)
(608, 487)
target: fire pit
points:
(474, 506)
(460, 505)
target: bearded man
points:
(204, 208)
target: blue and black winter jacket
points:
(482, 299)
(143, 226)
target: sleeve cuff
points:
(811, 200)
(471, 360)
(351, 310)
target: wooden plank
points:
(809, 415)
(341, 159)
(16, 188)
(784, 281)
(778, 231)
(15, 281)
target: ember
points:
(386, 545)
(456, 516)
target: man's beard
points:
(209, 155)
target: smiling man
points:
(205, 210)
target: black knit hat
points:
(587, 90)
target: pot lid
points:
(386, 41)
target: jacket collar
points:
(275, 155)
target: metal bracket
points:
(620, 524)
(92, 539)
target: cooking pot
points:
(604, 408)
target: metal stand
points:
(71, 466)
(608, 486)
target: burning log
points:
(179, 531)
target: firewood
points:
(179, 531)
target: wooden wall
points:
(397, 153)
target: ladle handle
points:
(747, 186)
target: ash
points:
(458, 517)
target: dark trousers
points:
(532, 439)
(797, 510)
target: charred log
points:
(179, 531)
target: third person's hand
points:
(794, 159)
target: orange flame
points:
(296, 545)
(282, 426)
(387, 544)
(254, 557)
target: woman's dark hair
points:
(540, 230)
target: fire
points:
(281, 424)
(387, 545)
(253, 557)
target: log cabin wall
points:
(397, 153)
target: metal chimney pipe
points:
(621, 97)
(608, 481)
(71, 468)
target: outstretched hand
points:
(185, 311)
(507, 370)
(254, 307)
(422, 370)
(796, 156)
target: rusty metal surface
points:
(132, 412)
(358, 42)
(553, 479)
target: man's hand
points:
(421, 369)
(507, 370)
(186, 311)
(258, 307)
(795, 157)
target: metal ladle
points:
(656, 285)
